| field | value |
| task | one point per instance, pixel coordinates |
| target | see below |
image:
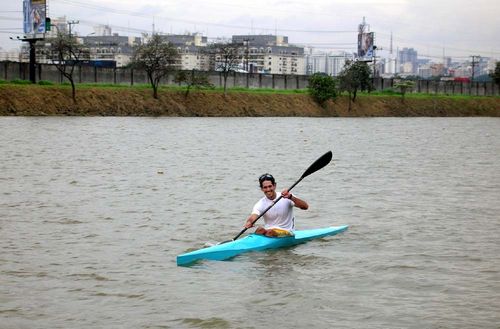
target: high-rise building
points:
(408, 61)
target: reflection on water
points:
(93, 212)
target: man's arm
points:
(297, 201)
(250, 220)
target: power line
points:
(149, 16)
(11, 32)
(324, 45)
(7, 18)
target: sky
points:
(452, 28)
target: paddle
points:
(317, 165)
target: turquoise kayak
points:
(255, 242)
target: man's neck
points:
(273, 197)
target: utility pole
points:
(247, 44)
(70, 23)
(375, 63)
(474, 65)
(473, 71)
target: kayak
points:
(255, 242)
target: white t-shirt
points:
(279, 216)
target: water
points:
(93, 212)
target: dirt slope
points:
(34, 100)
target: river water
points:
(93, 212)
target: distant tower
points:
(390, 49)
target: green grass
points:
(264, 90)
(20, 82)
(45, 83)
(417, 95)
(176, 88)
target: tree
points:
(403, 87)
(495, 75)
(354, 77)
(66, 54)
(158, 58)
(194, 79)
(226, 58)
(322, 87)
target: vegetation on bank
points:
(396, 92)
(113, 100)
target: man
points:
(279, 220)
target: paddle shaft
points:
(317, 165)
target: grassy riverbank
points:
(100, 100)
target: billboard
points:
(34, 12)
(365, 45)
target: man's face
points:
(269, 189)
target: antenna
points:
(390, 50)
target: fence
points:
(128, 76)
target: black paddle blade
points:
(318, 164)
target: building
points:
(270, 54)
(110, 48)
(390, 67)
(106, 49)
(191, 48)
(9, 56)
(328, 63)
(408, 61)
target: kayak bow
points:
(255, 242)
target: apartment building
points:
(191, 48)
(270, 54)
(328, 63)
(113, 48)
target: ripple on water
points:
(89, 230)
(89, 276)
(214, 322)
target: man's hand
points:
(250, 220)
(286, 194)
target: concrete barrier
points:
(127, 76)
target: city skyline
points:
(455, 29)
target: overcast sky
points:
(457, 28)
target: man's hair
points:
(265, 177)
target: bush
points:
(322, 87)
(404, 86)
(45, 83)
